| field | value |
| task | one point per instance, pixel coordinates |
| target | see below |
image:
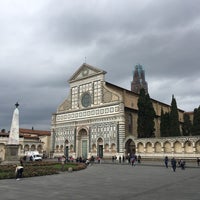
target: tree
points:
(162, 127)
(149, 118)
(141, 114)
(196, 122)
(146, 116)
(174, 119)
(187, 125)
(164, 124)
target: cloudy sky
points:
(43, 42)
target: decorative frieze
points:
(109, 110)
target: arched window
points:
(198, 146)
(33, 148)
(39, 148)
(158, 147)
(26, 147)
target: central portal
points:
(100, 151)
(82, 143)
(84, 149)
(100, 148)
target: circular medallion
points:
(85, 72)
(86, 100)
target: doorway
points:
(100, 147)
(100, 151)
(84, 149)
(130, 147)
(82, 143)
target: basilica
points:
(99, 119)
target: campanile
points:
(139, 80)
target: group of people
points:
(131, 159)
(63, 159)
(181, 163)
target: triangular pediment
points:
(85, 71)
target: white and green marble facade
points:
(97, 121)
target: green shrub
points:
(32, 169)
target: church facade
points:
(100, 119)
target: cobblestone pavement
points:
(108, 181)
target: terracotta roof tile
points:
(34, 132)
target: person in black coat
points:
(166, 161)
(173, 163)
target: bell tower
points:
(139, 80)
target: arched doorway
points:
(130, 147)
(83, 142)
(67, 149)
(100, 147)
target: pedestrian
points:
(133, 160)
(113, 159)
(182, 164)
(62, 162)
(99, 160)
(198, 161)
(92, 160)
(129, 159)
(139, 159)
(166, 161)
(173, 164)
(123, 159)
(120, 159)
(18, 172)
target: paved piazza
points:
(108, 181)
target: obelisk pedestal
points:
(12, 147)
(11, 152)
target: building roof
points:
(134, 93)
(28, 133)
(24, 131)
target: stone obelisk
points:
(12, 147)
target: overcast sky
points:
(43, 42)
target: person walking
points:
(173, 163)
(133, 160)
(92, 160)
(19, 171)
(198, 161)
(182, 164)
(139, 159)
(166, 160)
(120, 159)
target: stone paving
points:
(108, 181)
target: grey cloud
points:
(44, 42)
